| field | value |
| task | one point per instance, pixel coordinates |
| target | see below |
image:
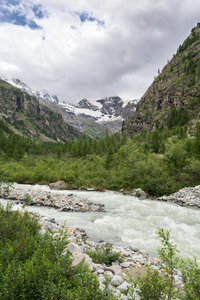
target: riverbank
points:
(134, 260)
(188, 196)
(68, 203)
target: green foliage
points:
(160, 161)
(177, 118)
(33, 266)
(152, 286)
(169, 260)
(104, 255)
(191, 279)
(189, 41)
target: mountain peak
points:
(84, 103)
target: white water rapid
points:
(130, 221)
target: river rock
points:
(100, 271)
(77, 259)
(88, 261)
(126, 264)
(109, 274)
(80, 257)
(68, 203)
(188, 196)
(116, 280)
(116, 270)
(124, 286)
(73, 248)
(134, 248)
(139, 193)
(58, 185)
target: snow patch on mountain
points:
(104, 110)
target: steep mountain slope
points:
(27, 116)
(176, 87)
(94, 118)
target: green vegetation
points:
(32, 266)
(104, 255)
(154, 286)
(36, 266)
(160, 162)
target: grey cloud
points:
(82, 59)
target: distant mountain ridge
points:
(108, 112)
(27, 116)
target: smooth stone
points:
(124, 286)
(116, 280)
(78, 258)
(73, 248)
(126, 264)
(108, 273)
(88, 261)
(101, 278)
(100, 271)
(134, 248)
(116, 270)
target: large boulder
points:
(58, 185)
(82, 257)
(74, 248)
(139, 193)
(116, 280)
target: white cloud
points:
(92, 59)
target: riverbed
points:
(128, 220)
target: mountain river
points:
(129, 221)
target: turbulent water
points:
(130, 221)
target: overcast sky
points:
(91, 48)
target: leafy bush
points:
(104, 255)
(33, 266)
(154, 286)
(191, 279)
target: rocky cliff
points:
(27, 116)
(177, 86)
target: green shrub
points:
(191, 279)
(104, 255)
(33, 266)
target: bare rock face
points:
(26, 115)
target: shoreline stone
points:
(134, 261)
(68, 203)
(188, 197)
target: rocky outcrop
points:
(189, 196)
(27, 116)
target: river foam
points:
(130, 221)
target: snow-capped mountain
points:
(41, 95)
(104, 110)
(109, 111)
